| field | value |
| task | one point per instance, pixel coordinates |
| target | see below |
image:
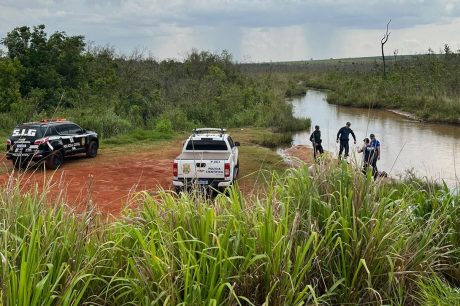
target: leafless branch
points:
(383, 42)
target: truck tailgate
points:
(202, 165)
(203, 155)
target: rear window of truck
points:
(206, 145)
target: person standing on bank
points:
(316, 140)
(374, 148)
(343, 134)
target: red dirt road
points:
(111, 179)
(107, 180)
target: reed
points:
(319, 235)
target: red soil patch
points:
(110, 180)
(300, 152)
(107, 180)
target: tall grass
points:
(44, 251)
(324, 235)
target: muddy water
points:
(431, 150)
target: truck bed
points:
(204, 156)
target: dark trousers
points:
(344, 145)
(317, 148)
(365, 167)
(375, 171)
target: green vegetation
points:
(330, 238)
(59, 76)
(315, 236)
(257, 157)
(425, 85)
(261, 136)
(275, 140)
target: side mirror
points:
(237, 144)
(83, 131)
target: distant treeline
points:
(314, 66)
(427, 85)
(59, 75)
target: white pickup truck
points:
(209, 158)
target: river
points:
(430, 150)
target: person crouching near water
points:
(343, 134)
(374, 148)
(366, 154)
(316, 140)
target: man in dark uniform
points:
(343, 134)
(316, 140)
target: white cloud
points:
(282, 44)
(175, 42)
(414, 40)
(254, 29)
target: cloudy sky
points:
(252, 30)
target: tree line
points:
(45, 75)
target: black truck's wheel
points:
(91, 151)
(54, 160)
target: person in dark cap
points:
(316, 140)
(374, 148)
(343, 134)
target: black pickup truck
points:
(49, 141)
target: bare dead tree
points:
(383, 41)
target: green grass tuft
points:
(319, 235)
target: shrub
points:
(163, 125)
(178, 120)
(106, 124)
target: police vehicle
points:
(209, 158)
(49, 141)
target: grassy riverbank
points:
(328, 237)
(414, 94)
(424, 85)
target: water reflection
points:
(432, 150)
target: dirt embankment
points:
(297, 155)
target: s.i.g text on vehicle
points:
(49, 141)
